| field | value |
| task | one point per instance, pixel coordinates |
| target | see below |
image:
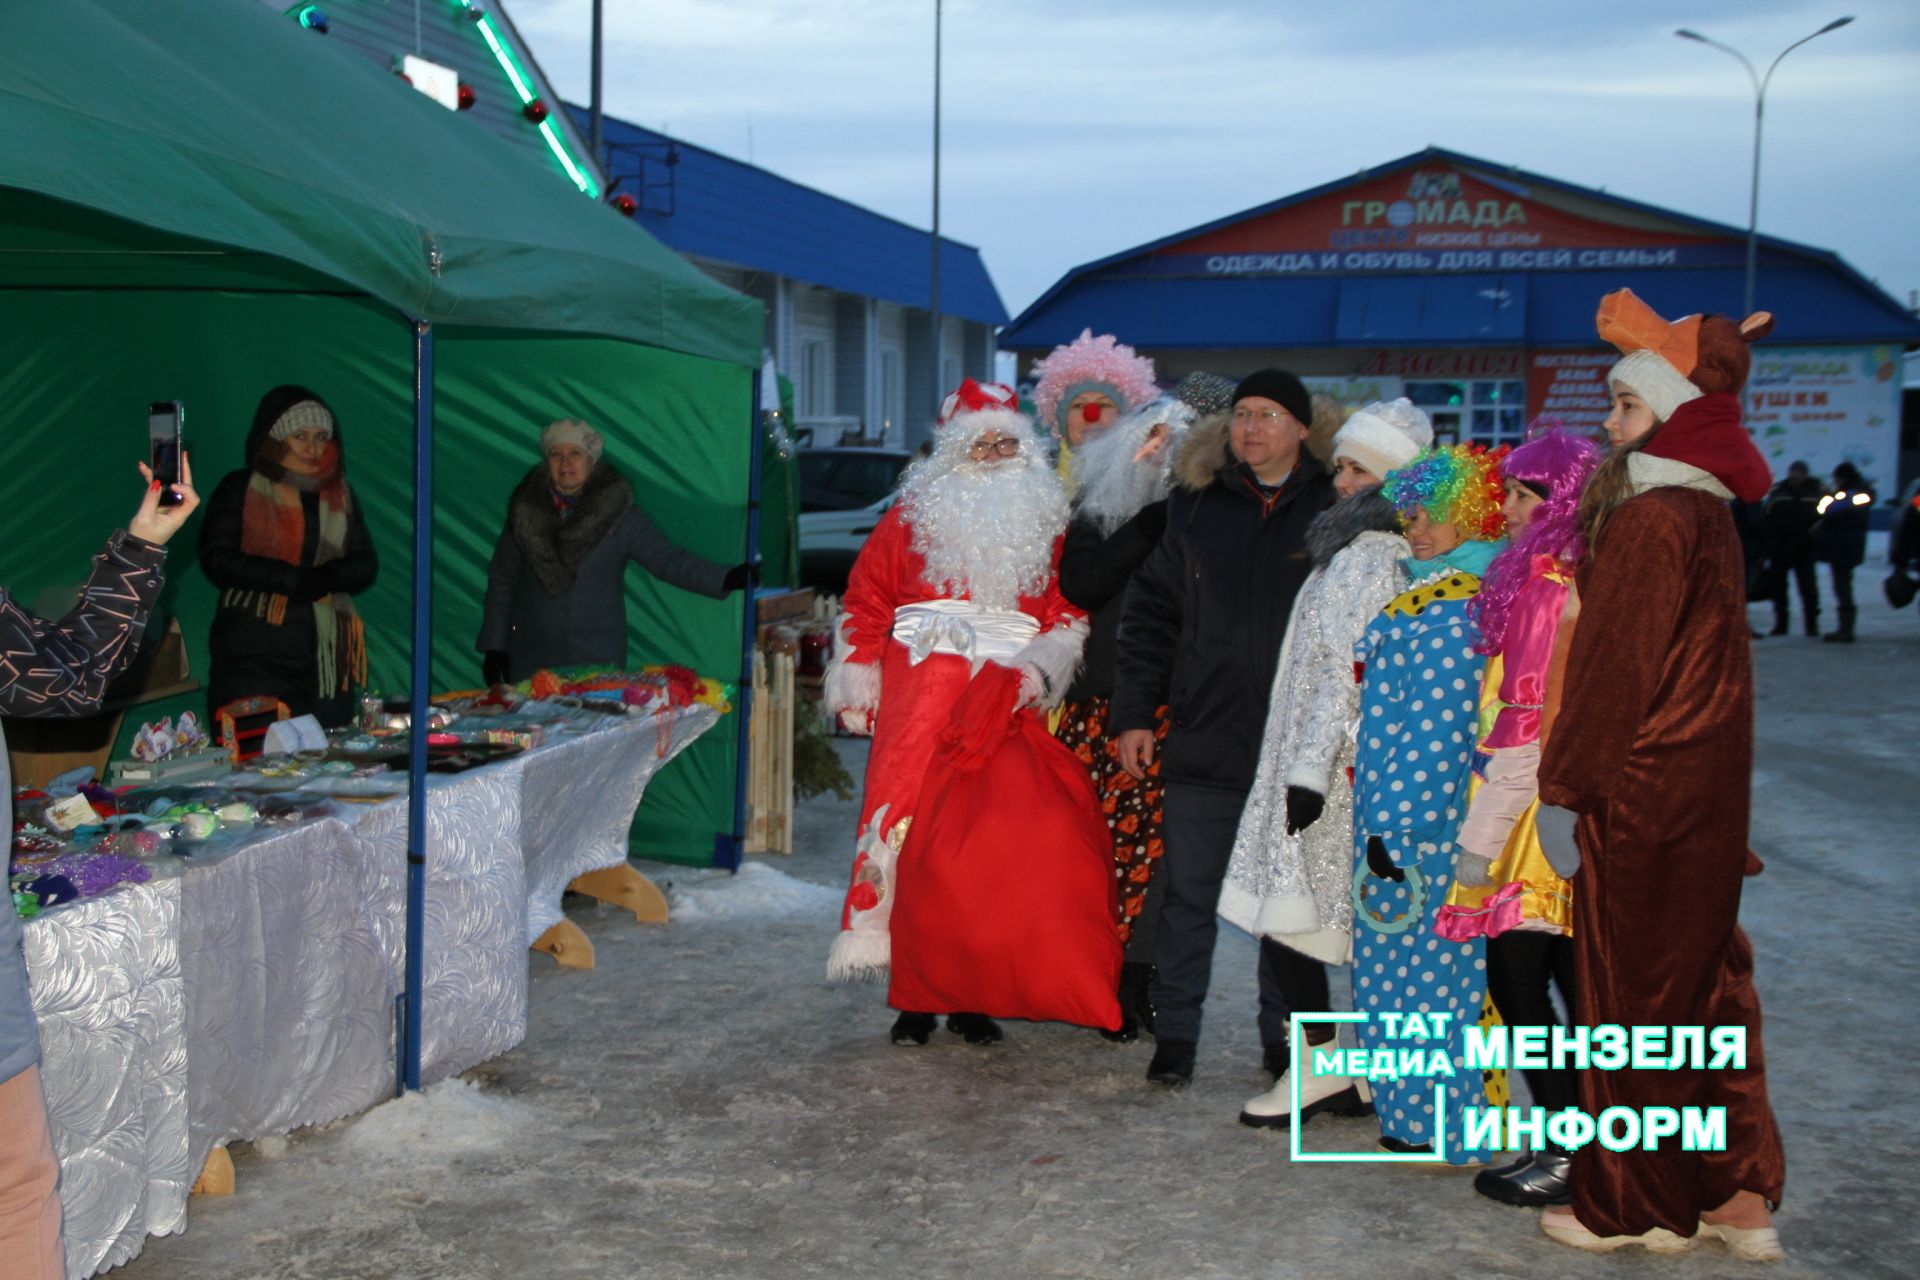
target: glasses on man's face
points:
(1257, 417)
(1004, 447)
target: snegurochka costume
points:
(1419, 706)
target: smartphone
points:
(165, 421)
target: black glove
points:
(1304, 807)
(1152, 520)
(320, 580)
(740, 575)
(1379, 863)
(493, 667)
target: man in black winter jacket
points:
(1204, 620)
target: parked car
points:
(843, 494)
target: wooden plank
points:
(569, 947)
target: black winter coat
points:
(1792, 509)
(1840, 538)
(1094, 572)
(1206, 614)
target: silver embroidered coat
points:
(1297, 888)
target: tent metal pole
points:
(422, 669)
(730, 849)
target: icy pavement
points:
(705, 1104)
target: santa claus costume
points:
(960, 574)
(1653, 751)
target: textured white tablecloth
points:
(255, 995)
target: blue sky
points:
(1074, 130)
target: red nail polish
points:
(154, 487)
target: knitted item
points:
(1384, 436)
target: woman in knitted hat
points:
(1504, 890)
(556, 590)
(1085, 386)
(286, 544)
(1292, 867)
(1645, 785)
(1419, 701)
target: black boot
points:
(1540, 1178)
(1276, 1058)
(1133, 979)
(914, 1028)
(975, 1028)
(1780, 627)
(1172, 1063)
(1813, 622)
(1845, 634)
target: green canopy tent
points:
(200, 200)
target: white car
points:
(843, 494)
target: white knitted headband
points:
(1654, 379)
(299, 417)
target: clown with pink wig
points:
(1083, 387)
(1504, 890)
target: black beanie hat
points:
(1280, 387)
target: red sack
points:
(1005, 896)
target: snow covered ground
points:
(705, 1104)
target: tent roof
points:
(206, 127)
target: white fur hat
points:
(1654, 379)
(1384, 436)
(572, 431)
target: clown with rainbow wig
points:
(1419, 702)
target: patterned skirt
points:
(1132, 806)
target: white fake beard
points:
(1112, 487)
(986, 531)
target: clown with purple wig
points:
(1504, 890)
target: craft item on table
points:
(198, 825)
(290, 808)
(25, 905)
(71, 813)
(238, 813)
(154, 741)
(105, 802)
(31, 840)
(301, 733)
(71, 780)
(88, 875)
(399, 715)
(187, 733)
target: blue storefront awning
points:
(1429, 310)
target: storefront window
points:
(1485, 412)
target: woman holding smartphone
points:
(285, 542)
(62, 669)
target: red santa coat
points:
(902, 662)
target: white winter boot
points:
(1338, 1094)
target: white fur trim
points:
(1648, 472)
(850, 686)
(1008, 422)
(1654, 379)
(860, 955)
(1048, 662)
(1379, 445)
(1302, 774)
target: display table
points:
(254, 994)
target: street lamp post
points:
(1760, 84)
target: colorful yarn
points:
(1456, 484)
(1558, 461)
(1090, 364)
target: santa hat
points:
(1699, 360)
(1102, 364)
(977, 397)
(1384, 436)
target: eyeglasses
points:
(1258, 417)
(1005, 447)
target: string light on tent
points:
(510, 65)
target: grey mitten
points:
(1554, 826)
(1472, 870)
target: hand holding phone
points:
(166, 419)
(156, 523)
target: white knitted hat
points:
(1654, 379)
(299, 417)
(1384, 436)
(571, 431)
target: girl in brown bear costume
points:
(1655, 758)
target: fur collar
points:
(1202, 453)
(554, 547)
(1333, 529)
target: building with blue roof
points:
(1470, 287)
(847, 290)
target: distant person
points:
(62, 669)
(556, 586)
(286, 543)
(1792, 509)
(1840, 541)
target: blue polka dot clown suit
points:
(1419, 705)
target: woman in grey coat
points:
(62, 669)
(556, 593)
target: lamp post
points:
(1760, 84)
(933, 299)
